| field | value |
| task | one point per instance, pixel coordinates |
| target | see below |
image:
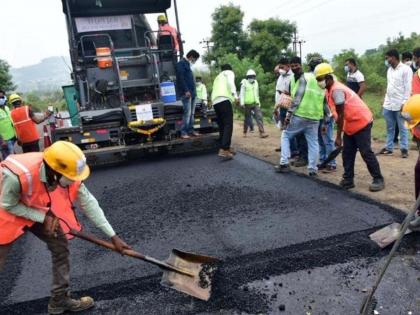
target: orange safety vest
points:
(171, 30)
(34, 194)
(357, 114)
(415, 89)
(25, 127)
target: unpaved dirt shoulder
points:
(398, 172)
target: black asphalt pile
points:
(261, 224)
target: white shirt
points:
(230, 76)
(356, 76)
(398, 88)
(283, 83)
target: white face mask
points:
(408, 63)
(65, 182)
(322, 84)
(282, 72)
(251, 80)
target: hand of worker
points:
(324, 129)
(50, 224)
(188, 94)
(338, 142)
(119, 244)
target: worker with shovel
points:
(37, 195)
(355, 119)
(411, 113)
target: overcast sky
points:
(33, 30)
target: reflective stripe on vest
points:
(357, 114)
(26, 130)
(312, 104)
(251, 93)
(7, 131)
(221, 88)
(34, 194)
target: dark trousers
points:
(361, 141)
(302, 146)
(31, 147)
(58, 246)
(224, 113)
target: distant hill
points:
(50, 74)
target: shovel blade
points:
(203, 268)
(387, 235)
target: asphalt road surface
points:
(289, 244)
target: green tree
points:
(227, 33)
(268, 40)
(6, 82)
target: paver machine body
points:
(124, 81)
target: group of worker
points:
(19, 124)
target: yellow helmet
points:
(323, 69)
(68, 160)
(14, 97)
(162, 18)
(411, 111)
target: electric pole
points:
(207, 43)
(297, 41)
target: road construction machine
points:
(123, 101)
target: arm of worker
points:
(362, 89)
(257, 95)
(242, 94)
(180, 79)
(94, 212)
(39, 117)
(408, 79)
(300, 92)
(10, 201)
(231, 83)
(339, 99)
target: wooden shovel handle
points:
(129, 252)
(106, 244)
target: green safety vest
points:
(7, 131)
(312, 104)
(221, 88)
(251, 93)
(201, 91)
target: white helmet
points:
(251, 73)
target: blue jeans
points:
(326, 141)
(309, 128)
(7, 147)
(188, 117)
(392, 118)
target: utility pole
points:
(296, 41)
(207, 43)
(300, 42)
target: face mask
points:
(346, 69)
(251, 80)
(408, 63)
(387, 64)
(282, 72)
(3, 101)
(322, 84)
(193, 61)
(65, 182)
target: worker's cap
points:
(14, 98)
(68, 160)
(162, 18)
(411, 111)
(323, 69)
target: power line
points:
(311, 8)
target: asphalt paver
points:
(268, 228)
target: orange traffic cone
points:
(47, 140)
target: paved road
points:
(284, 240)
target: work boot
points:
(300, 162)
(378, 184)
(282, 168)
(232, 151)
(64, 303)
(225, 154)
(263, 135)
(313, 173)
(347, 183)
(415, 223)
(404, 153)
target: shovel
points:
(387, 235)
(334, 153)
(390, 233)
(186, 272)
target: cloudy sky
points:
(33, 30)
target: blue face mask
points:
(387, 64)
(346, 69)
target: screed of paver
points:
(199, 204)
